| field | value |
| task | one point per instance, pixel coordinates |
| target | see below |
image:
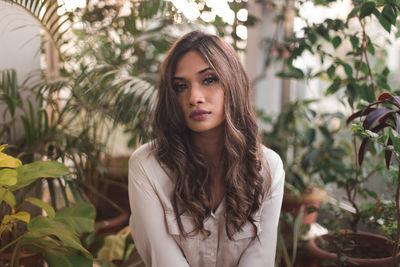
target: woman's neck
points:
(210, 145)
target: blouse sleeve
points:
(261, 252)
(147, 222)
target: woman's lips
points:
(199, 114)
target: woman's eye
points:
(179, 87)
(210, 80)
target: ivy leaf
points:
(389, 13)
(354, 41)
(336, 41)
(348, 70)
(370, 47)
(353, 13)
(331, 71)
(312, 37)
(292, 73)
(333, 87)
(382, 20)
(367, 9)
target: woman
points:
(205, 192)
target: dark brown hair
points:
(242, 153)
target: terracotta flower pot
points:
(292, 203)
(320, 256)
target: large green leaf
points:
(41, 226)
(67, 260)
(28, 173)
(79, 218)
(55, 253)
(41, 204)
(7, 196)
(8, 177)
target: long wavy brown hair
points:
(242, 152)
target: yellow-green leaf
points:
(20, 216)
(37, 202)
(7, 196)
(29, 173)
(2, 147)
(7, 161)
(8, 177)
(114, 246)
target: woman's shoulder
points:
(143, 154)
(273, 162)
(271, 158)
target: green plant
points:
(381, 125)
(56, 235)
(118, 250)
(289, 238)
(350, 65)
(306, 143)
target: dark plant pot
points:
(25, 260)
(292, 203)
(319, 256)
(112, 225)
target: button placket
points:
(211, 242)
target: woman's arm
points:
(261, 252)
(156, 247)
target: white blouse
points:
(156, 232)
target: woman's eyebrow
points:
(199, 72)
(204, 70)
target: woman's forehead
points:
(191, 63)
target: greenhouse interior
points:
(81, 82)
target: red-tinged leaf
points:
(379, 114)
(360, 113)
(388, 153)
(361, 151)
(385, 96)
(380, 127)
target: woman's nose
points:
(196, 95)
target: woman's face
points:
(200, 94)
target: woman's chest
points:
(215, 250)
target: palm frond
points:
(46, 12)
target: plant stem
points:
(11, 243)
(364, 51)
(351, 191)
(15, 255)
(396, 242)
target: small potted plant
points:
(380, 124)
(54, 236)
